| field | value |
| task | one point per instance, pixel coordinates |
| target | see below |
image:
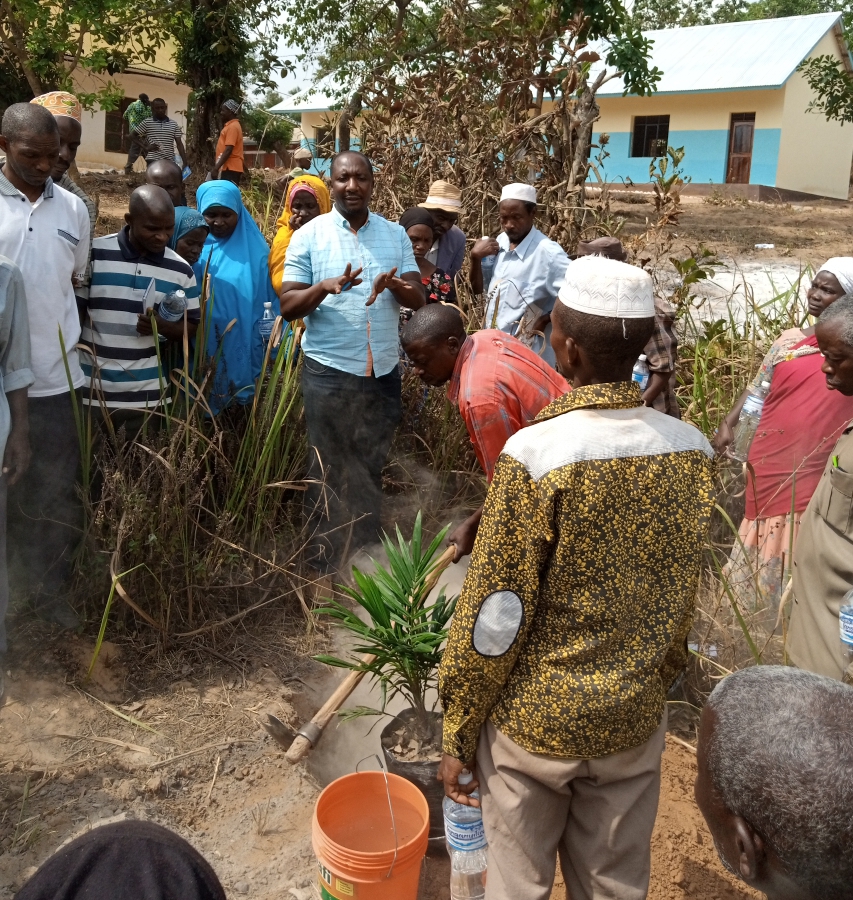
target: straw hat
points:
(599, 286)
(445, 196)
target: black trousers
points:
(228, 175)
(44, 514)
(351, 422)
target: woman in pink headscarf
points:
(800, 424)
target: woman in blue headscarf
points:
(188, 238)
(235, 256)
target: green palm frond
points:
(402, 631)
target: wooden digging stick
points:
(308, 735)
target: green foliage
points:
(46, 41)
(742, 11)
(403, 633)
(271, 132)
(832, 85)
(243, 49)
(650, 15)
(359, 41)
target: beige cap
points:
(443, 195)
(302, 153)
(605, 287)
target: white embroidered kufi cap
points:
(518, 191)
(605, 287)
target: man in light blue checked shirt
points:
(340, 276)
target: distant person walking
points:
(229, 148)
(159, 135)
(44, 230)
(133, 117)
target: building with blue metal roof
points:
(731, 95)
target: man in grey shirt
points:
(15, 378)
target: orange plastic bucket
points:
(361, 851)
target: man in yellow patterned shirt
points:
(574, 615)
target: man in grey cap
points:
(574, 615)
(521, 271)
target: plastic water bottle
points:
(466, 844)
(747, 423)
(640, 372)
(172, 306)
(845, 622)
(487, 264)
(267, 322)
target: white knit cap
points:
(604, 287)
(518, 191)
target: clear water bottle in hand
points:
(466, 844)
(267, 321)
(172, 306)
(640, 373)
(845, 622)
(747, 423)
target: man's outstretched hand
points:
(344, 282)
(449, 771)
(386, 281)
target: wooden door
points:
(741, 133)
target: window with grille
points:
(116, 137)
(651, 136)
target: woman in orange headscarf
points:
(307, 197)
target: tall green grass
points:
(719, 355)
(195, 514)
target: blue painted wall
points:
(320, 165)
(704, 156)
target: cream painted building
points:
(102, 146)
(730, 95)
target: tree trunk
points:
(349, 113)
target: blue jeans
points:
(351, 422)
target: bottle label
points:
(752, 406)
(465, 835)
(845, 621)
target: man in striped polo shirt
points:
(159, 135)
(132, 272)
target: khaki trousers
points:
(597, 814)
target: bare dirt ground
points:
(175, 736)
(183, 746)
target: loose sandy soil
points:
(68, 763)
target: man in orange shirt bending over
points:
(229, 147)
(498, 383)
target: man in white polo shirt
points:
(44, 230)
